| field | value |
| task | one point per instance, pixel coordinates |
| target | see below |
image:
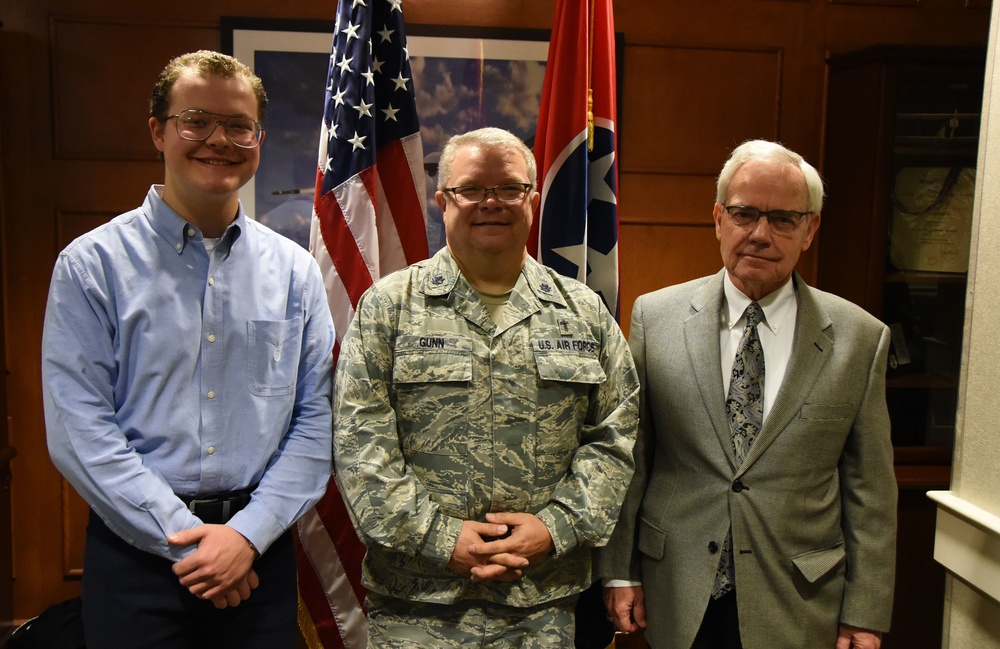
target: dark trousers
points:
(593, 628)
(132, 600)
(720, 628)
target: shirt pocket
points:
(569, 367)
(827, 411)
(273, 348)
(431, 393)
(431, 399)
(444, 474)
(566, 385)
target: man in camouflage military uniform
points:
(486, 410)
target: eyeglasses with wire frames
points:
(781, 221)
(197, 126)
(505, 193)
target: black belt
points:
(217, 508)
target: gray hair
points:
(487, 138)
(764, 150)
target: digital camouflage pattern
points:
(442, 416)
(400, 624)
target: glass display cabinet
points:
(901, 144)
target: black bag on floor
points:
(60, 626)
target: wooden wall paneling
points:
(673, 144)
(532, 14)
(70, 225)
(675, 199)
(918, 611)
(6, 537)
(879, 3)
(654, 256)
(855, 159)
(686, 108)
(849, 27)
(7, 451)
(28, 226)
(75, 512)
(36, 488)
(103, 187)
(101, 82)
(726, 23)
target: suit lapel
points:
(811, 348)
(701, 338)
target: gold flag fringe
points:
(307, 627)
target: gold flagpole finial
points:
(590, 80)
(590, 119)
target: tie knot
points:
(754, 314)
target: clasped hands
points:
(481, 556)
(221, 568)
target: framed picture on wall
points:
(464, 78)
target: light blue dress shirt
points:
(169, 371)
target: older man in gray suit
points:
(762, 510)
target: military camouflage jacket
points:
(442, 416)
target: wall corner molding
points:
(967, 542)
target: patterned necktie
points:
(745, 407)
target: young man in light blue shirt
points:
(187, 374)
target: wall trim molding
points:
(967, 542)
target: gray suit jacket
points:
(812, 507)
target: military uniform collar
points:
(443, 274)
(540, 282)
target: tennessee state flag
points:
(576, 230)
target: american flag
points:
(576, 232)
(369, 219)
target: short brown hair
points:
(205, 62)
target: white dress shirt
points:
(776, 332)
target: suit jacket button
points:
(713, 547)
(738, 486)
